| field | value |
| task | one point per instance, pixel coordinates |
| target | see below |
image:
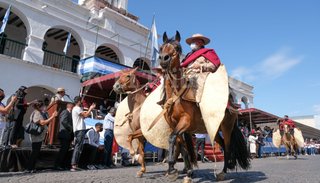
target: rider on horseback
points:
(286, 121)
(199, 63)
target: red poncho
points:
(209, 54)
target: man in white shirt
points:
(79, 130)
(92, 145)
(108, 125)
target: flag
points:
(5, 20)
(67, 44)
(154, 44)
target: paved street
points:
(305, 169)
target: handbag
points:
(34, 128)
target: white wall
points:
(15, 73)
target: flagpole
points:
(148, 39)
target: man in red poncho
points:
(286, 121)
(199, 62)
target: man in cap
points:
(199, 62)
(61, 92)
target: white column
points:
(33, 52)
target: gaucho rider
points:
(199, 63)
(286, 121)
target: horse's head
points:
(170, 52)
(127, 82)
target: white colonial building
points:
(31, 48)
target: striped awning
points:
(98, 65)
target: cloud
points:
(316, 109)
(271, 67)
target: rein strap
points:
(169, 103)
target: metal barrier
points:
(60, 61)
(11, 47)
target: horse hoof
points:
(220, 176)
(139, 174)
(288, 157)
(173, 175)
(187, 180)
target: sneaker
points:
(91, 167)
(100, 167)
(75, 168)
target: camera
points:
(20, 93)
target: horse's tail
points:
(239, 154)
(190, 149)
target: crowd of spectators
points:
(73, 132)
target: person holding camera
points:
(36, 140)
(14, 131)
(79, 130)
(4, 110)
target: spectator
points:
(79, 130)
(65, 136)
(200, 141)
(312, 147)
(108, 125)
(61, 92)
(252, 143)
(4, 110)
(14, 131)
(305, 146)
(260, 142)
(92, 145)
(36, 140)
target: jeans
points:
(259, 151)
(108, 141)
(79, 138)
(36, 147)
(200, 142)
(8, 133)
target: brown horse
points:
(129, 84)
(289, 142)
(184, 117)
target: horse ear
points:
(177, 37)
(165, 37)
(134, 70)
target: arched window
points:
(107, 53)
(53, 47)
(13, 40)
(142, 64)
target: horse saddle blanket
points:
(276, 138)
(298, 137)
(122, 129)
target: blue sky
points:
(273, 45)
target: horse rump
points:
(239, 154)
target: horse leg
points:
(220, 141)
(141, 157)
(187, 161)
(134, 135)
(172, 172)
(226, 127)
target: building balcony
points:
(11, 47)
(60, 61)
